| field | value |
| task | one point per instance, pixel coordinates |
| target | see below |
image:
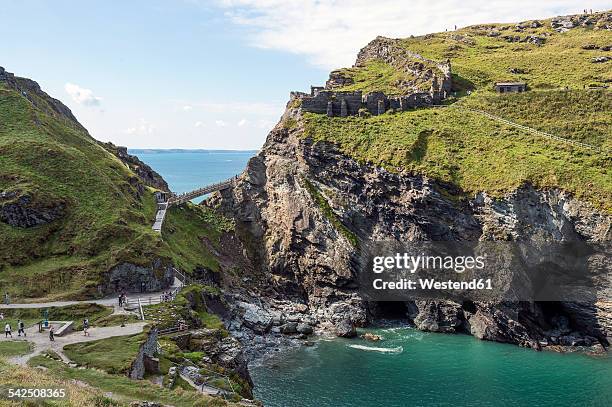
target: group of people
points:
(8, 330)
(167, 296)
(122, 299)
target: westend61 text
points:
(431, 284)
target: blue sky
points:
(211, 74)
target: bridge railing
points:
(187, 196)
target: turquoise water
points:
(429, 369)
(188, 170)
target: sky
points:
(213, 74)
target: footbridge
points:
(178, 199)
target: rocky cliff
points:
(305, 207)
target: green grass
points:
(211, 321)
(12, 376)
(574, 114)
(376, 76)
(112, 355)
(14, 348)
(328, 212)
(479, 60)
(76, 313)
(116, 320)
(185, 229)
(472, 152)
(124, 389)
(482, 60)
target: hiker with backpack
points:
(7, 330)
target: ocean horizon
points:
(186, 170)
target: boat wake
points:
(398, 349)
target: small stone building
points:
(508, 87)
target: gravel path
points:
(108, 301)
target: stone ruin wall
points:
(146, 362)
(326, 100)
(340, 103)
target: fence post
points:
(141, 311)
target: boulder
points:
(304, 329)
(371, 337)
(257, 319)
(289, 328)
(346, 329)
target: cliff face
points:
(305, 208)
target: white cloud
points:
(265, 124)
(330, 33)
(187, 108)
(198, 124)
(220, 123)
(143, 128)
(242, 122)
(256, 108)
(81, 95)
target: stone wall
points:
(146, 361)
(323, 99)
(336, 103)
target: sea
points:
(407, 367)
(186, 170)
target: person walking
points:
(7, 330)
(86, 327)
(52, 334)
(7, 299)
(120, 300)
(21, 328)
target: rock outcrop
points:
(21, 210)
(128, 277)
(146, 174)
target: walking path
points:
(526, 128)
(533, 131)
(40, 340)
(108, 301)
(160, 216)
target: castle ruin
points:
(333, 101)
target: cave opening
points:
(390, 310)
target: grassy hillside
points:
(91, 387)
(476, 153)
(102, 212)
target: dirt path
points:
(108, 301)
